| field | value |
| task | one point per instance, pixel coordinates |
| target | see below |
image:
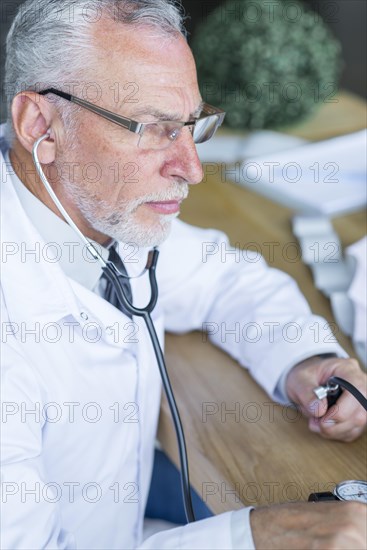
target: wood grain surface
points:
(259, 453)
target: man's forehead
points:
(142, 49)
(146, 73)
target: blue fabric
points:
(165, 499)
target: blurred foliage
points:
(267, 63)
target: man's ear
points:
(32, 118)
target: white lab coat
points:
(81, 392)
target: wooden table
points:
(261, 453)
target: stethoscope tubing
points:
(112, 276)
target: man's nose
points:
(183, 160)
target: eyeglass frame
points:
(133, 125)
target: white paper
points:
(232, 149)
(327, 177)
(330, 277)
(358, 289)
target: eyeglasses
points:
(155, 135)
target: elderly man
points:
(81, 387)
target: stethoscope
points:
(113, 274)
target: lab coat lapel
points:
(27, 271)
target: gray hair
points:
(49, 42)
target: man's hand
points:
(321, 525)
(345, 420)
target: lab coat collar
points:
(75, 260)
(27, 267)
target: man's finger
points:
(344, 422)
(316, 408)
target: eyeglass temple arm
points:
(117, 119)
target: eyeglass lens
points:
(162, 134)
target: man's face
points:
(121, 190)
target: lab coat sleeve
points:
(255, 313)
(230, 530)
(30, 515)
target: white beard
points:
(121, 225)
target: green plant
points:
(267, 63)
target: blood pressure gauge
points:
(346, 490)
(352, 490)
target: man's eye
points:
(173, 133)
